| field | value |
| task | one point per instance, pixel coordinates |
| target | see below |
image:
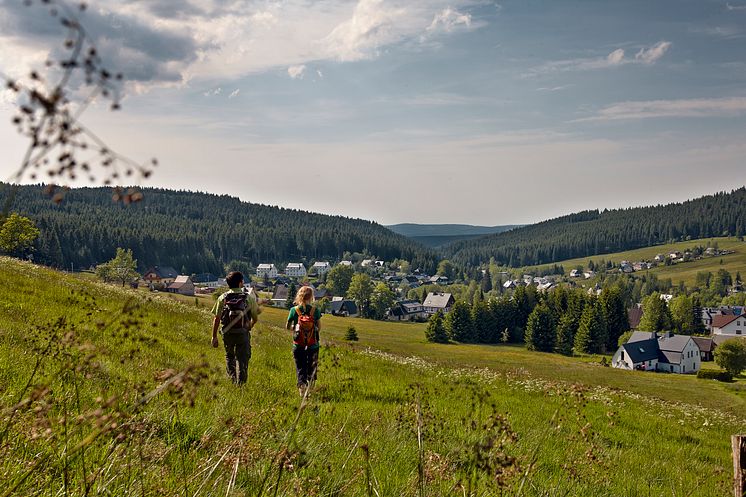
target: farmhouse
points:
(438, 280)
(706, 348)
(295, 270)
(266, 270)
(346, 263)
(346, 308)
(575, 273)
(729, 325)
(321, 267)
(649, 352)
(160, 275)
(182, 285)
(435, 302)
(406, 310)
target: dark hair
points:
(234, 279)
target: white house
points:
(367, 262)
(649, 352)
(295, 270)
(268, 270)
(435, 302)
(729, 325)
(321, 267)
(575, 273)
(346, 263)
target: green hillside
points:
(594, 232)
(107, 391)
(686, 272)
(441, 235)
(198, 232)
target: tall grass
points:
(112, 392)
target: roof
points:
(644, 350)
(719, 339)
(281, 292)
(164, 272)
(705, 344)
(639, 336)
(634, 315)
(670, 357)
(179, 282)
(265, 266)
(721, 321)
(204, 278)
(320, 293)
(295, 265)
(441, 300)
(320, 264)
(674, 343)
(339, 306)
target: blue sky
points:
(417, 111)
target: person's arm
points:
(215, 326)
(318, 319)
(254, 313)
(291, 319)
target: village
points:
(643, 351)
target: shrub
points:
(715, 375)
(351, 334)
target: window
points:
(622, 354)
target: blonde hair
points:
(304, 295)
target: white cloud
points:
(653, 54)
(616, 57)
(696, 107)
(214, 92)
(213, 40)
(449, 19)
(319, 74)
(735, 7)
(297, 72)
(234, 93)
(372, 25)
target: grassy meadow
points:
(686, 272)
(109, 391)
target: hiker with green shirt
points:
(236, 312)
(304, 319)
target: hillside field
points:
(686, 272)
(116, 392)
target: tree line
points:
(198, 232)
(598, 232)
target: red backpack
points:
(305, 331)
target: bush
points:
(351, 334)
(715, 375)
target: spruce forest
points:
(596, 232)
(197, 232)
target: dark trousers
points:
(237, 352)
(306, 364)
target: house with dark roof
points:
(346, 308)
(438, 301)
(158, 275)
(280, 295)
(706, 348)
(407, 310)
(652, 352)
(732, 326)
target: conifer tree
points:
(436, 331)
(615, 314)
(591, 335)
(565, 335)
(351, 334)
(655, 314)
(484, 324)
(458, 323)
(289, 301)
(540, 331)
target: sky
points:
(428, 111)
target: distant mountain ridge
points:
(439, 236)
(423, 230)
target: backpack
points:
(233, 317)
(306, 333)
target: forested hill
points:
(198, 232)
(593, 232)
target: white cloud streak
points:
(697, 107)
(234, 93)
(646, 55)
(297, 72)
(732, 7)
